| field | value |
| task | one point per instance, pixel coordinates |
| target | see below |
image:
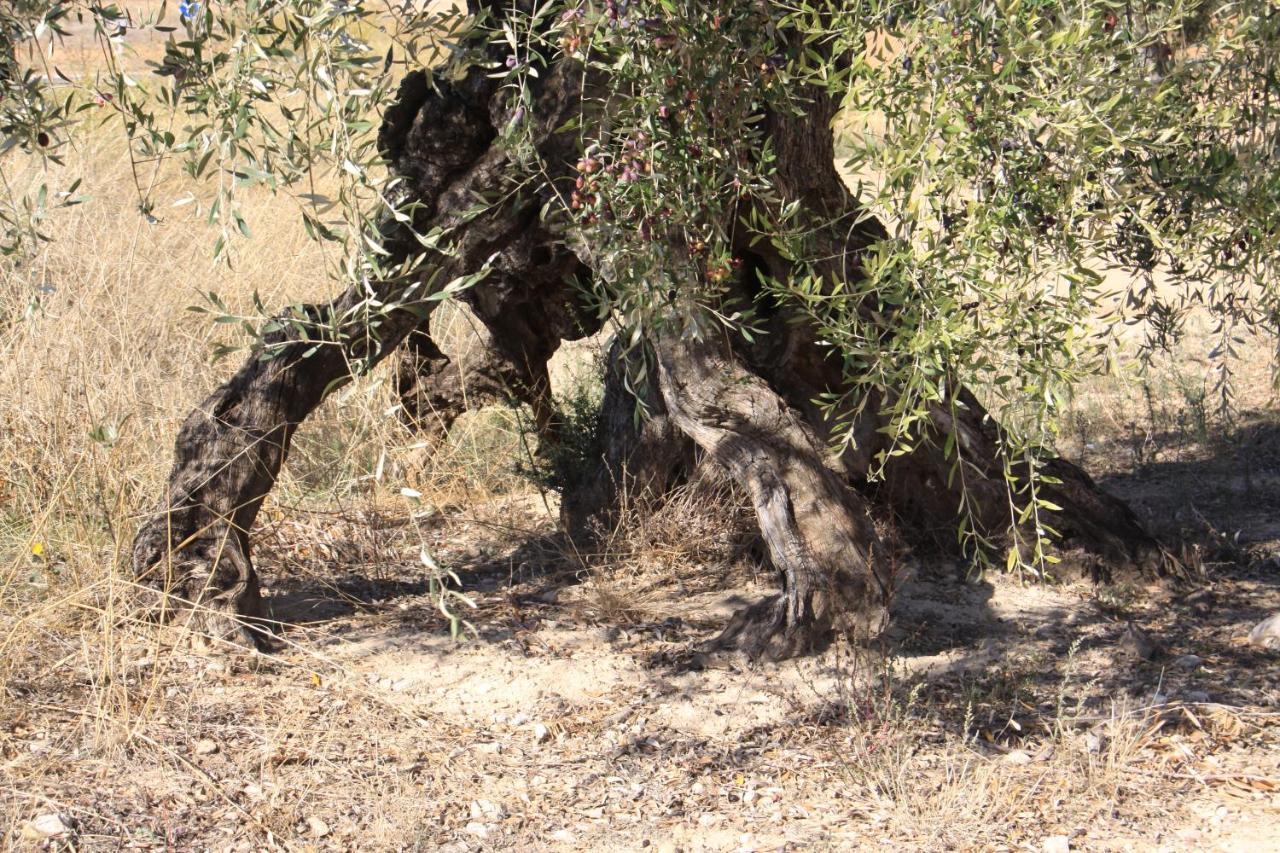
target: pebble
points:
(1267, 632)
(205, 746)
(478, 829)
(541, 734)
(1056, 844)
(1018, 757)
(319, 829)
(50, 825)
(1189, 662)
(564, 836)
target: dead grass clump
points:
(701, 538)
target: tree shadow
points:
(1227, 486)
(1004, 652)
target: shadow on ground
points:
(1003, 654)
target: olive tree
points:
(850, 252)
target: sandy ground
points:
(994, 716)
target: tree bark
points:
(638, 455)
(524, 326)
(816, 528)
(195, 549)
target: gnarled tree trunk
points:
(749, 405)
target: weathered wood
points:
(523, 327)
(816, 528)
(195, 548)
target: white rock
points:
(1267, 632)
(1018, 757)
(50, 825)
(541, 734)
(564, 836)
(479, 830)
(318, 827)
(1056, 844)
(205, 746)
(520, 718)
(487, 810)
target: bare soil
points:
(580, 715)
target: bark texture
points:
(816, 528)
(195, 548)
(639, 454)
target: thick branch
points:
(230, 449)
(816, 528)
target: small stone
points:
(541, 734)
(564, 836)
(520, 719)
(319, 829)
(1267, 632)
(1018, 757)
(1189, 662)
(205, 746)
(47, 826)
(1056, 844)
(487, 810)
(1092, 742)
(478, 829)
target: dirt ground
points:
(579, 715)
